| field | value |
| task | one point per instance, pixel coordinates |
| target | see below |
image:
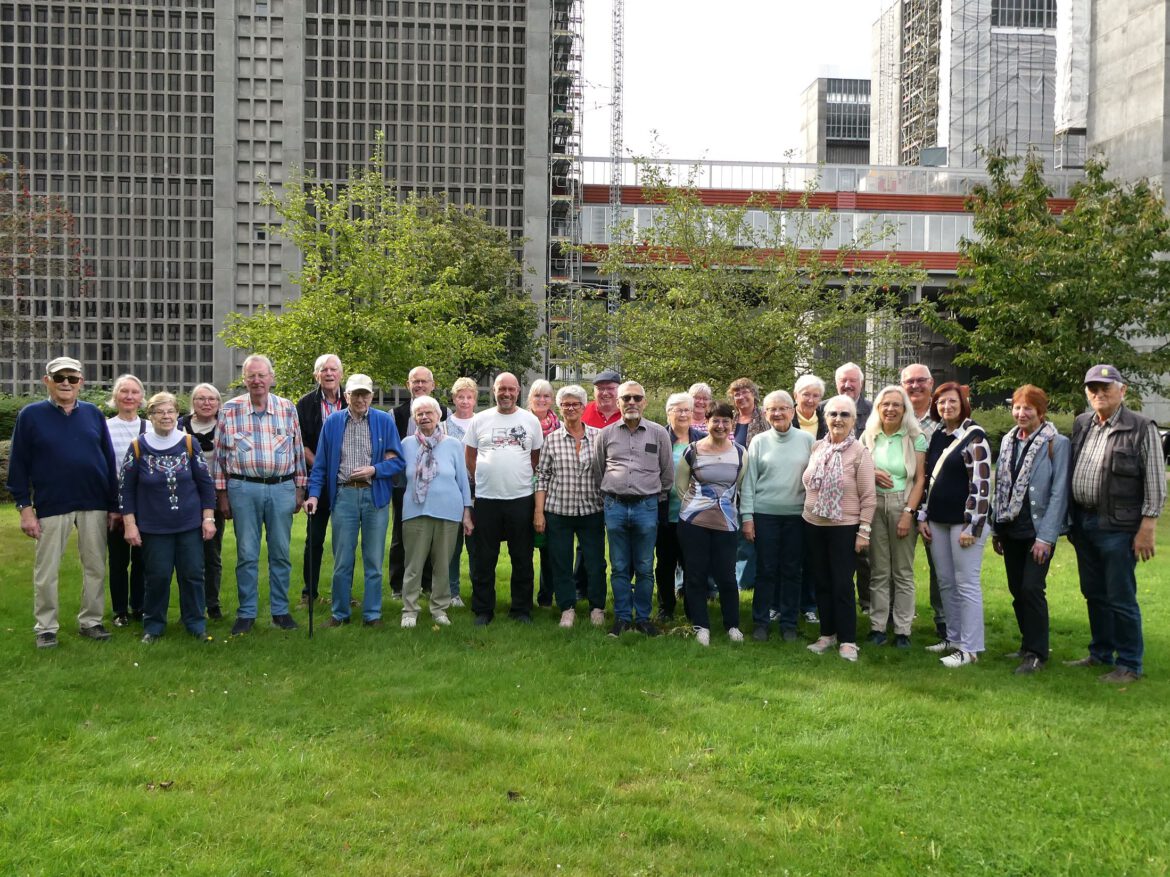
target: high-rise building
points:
(835, 121)
(157, 120)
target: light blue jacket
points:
(1047, 488)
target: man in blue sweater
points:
(61, 473)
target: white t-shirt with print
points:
(504, 444)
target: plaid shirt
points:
(1090, 465)
(355, 447)
(263, 445)
(566, 475)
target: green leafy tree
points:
(760, 290)
(390, 282)
(1042, 297)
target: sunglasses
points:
(632, 397)
(836, 414)
(60, 379)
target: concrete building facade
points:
(835, 121)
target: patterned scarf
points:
(426, 467)
(1011, 489)
(549, 423)
(828, 478)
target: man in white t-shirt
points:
(502, 445)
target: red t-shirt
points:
(592, 417)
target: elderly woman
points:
(668, 557)
(894, 437)
(953, 519)
(702, 398)
(167, 501)
(568, 505)
(839, 504)
(200, 424)
(125, 558)
(771, 501)
(540, 400)
(1029, 511)
(464, 395)
(437, 503)
(707, 483)
(809, 391)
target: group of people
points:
(813, 503)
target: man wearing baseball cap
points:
(1118, 490)
(603, 410)
(61, 473)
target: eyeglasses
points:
(836, 414)
(199, 400)
(632, 397)
(60, 378)
(915, 381)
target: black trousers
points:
(213, 564)
(830, 556)
(667, 555)
(315, 527)
(1027, 581)
(498, 521)
(709, 554)
(862, 562)
(127, 579)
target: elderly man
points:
(1118, 490)
(312, 410)
(918, 383)
(61, 473)
(358, 455)
(421, 382)
(603, 410)
(635, 465)
(260, 483)
(502, 446)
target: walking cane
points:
(314, 572)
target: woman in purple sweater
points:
(168, 504)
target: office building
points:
(835, 121)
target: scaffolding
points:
(919, 78)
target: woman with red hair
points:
(1029, 512)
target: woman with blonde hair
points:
(125, 560)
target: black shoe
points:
(284, 622)
(522, 619)
(760, 633)
(544, 602)
(1030, 664)
(619, 627)
(482, 620)
(901, 641)
(789, 635)
(121, 620)
(876, 637)
(136, 616)
(648, 628)
(664, 617)
(242, 626)
(215, 613)
(95, 632)
(46, 640)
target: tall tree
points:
(1042, 297)
(389, 282)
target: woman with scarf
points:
(953, 520)
(839, 503)
(167, 502)
(437, 502)
(1031, 504)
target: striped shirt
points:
(1090, 464)
(355, 447)
(566, 475)
(263, 444)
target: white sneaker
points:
(959, 658)
(735, 635)
(568, 617)
(773, 615)
(943, 646)
(822, 645)
(848, 651)
(597, 617)
(457, 602)
(409, 621)
(703, 636)
(811, 617)
(440, 618)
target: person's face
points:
(540, 402)
(605, 395)
(329, 375)
(633, 401)
(809, 398)
(743, 398)
(258, 379)
(840, 421)
(680, 417)
(507, 392)
(891, 409)
(164, 417)
(426, 419)
(1104, 398)
(465, 403)
(849, 384)
(702, 403)
(720, 427)
(950, 407)
(128, 397)
(919, 385)
(65, 392)
(779, 414)
(1026, 417)
(571, 410)
(206, 404)
(359, 402)
(421, 382)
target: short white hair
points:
(422, 402)
(700, 387)
(211, 388)
(257, 357)
(848, 367)
(540, 385)
(852, 406)
(574, 390)
(808, 381)
(779, 396)
(676, 399)
(622, 388)
(321, 360)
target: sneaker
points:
(95, 632)
(848, 651)
(901, 641)
(597, 617)
(396, 595)
(242, 626)
(482, 620)
(1087, 661)
(336, 622)
(121, 620)
(148, 638)
(284, 622)
(457, 602)
(822, 645)
(939, 647)
(619, 627)
(1030, 664)
(1120, 676)
(373, 622)
(789, 635)
(215, 613)
(408, 621)
(441, 619)
(568, 617)
(959, 658)
(773, 615)
(811, 617)
(648, 628)
(46, 640)
(877, 637)
(760, 633)
(703, 636)
(735, 635)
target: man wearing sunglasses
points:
(61, 473)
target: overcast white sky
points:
(719, 80)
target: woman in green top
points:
(895, 439)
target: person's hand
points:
(966, 540)
(208, 529)
(223, 504)
(749, 531)
(1041, 552)
(113, 521)
(538, 522)
(468, 522)
(311, 505)
(905, 523)
(362, 473)
(998, 546)
(1143, 540)
(132, 536)
(861, 544)
(882, 479)
(924, 531)
(300, 499)
(30, 524)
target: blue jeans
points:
(632, 529)
(181, 554)
(780, 568)
(271, 507)
(1106, 563)
(353, 512)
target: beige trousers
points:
(891, 564)
(91, 545)
(424, 537)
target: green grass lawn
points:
(532, 750)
